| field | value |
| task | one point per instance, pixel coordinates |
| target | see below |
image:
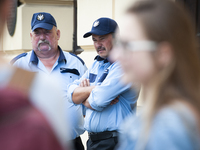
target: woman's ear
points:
(164, 55)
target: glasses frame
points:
(142, 45)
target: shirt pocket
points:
(69, 75)
(92, 77)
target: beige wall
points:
(88, 12)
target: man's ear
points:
(31, 35)
(164, 54)
(58, 34)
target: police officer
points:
(108, 101)
(48, 58)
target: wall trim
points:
(17, 52)
(55, 2)
(88, 47)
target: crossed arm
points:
(81, 94)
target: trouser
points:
(102, 141)
(77, 144)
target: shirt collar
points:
(61, 58)
(34, 58)
(98, 58)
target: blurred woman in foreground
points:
(157, 47)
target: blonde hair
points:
(166, 21)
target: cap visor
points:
(87, 34)
(97, 32)
(43, 25)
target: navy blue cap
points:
(102, 26)
(42, 20)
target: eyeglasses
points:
(144, 45)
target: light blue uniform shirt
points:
(66, 69)
(105, 117)
(170, 130)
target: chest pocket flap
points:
(67, 70)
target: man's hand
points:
(85, 83)
(115, 101)
(82, 92)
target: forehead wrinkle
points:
(102, 36)
(98, 37)
(41, 29)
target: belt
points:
(95, 136)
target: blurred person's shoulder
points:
(46, 95)
(178, 112)
(172, 123)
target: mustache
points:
(101, 48)
(43, 41)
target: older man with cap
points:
(108, 101)
(48, 58)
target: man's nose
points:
(42, 36)
(98, 44)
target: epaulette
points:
(78, 58)
(17, 57)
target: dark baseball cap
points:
(42, 20)
(102, 26)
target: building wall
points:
(20, 41)
(62, 10)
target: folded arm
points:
(110, 89)
(87, 104)
(80, 94)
